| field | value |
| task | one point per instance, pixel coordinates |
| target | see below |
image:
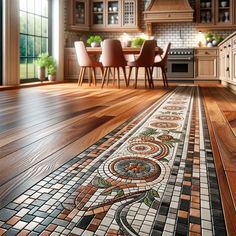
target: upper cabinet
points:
(103, 15)
(78, 17)
(216, 14)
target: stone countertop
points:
(226, 39)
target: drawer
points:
(206, 52)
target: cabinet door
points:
(113, 14)
(78, 15)
(222, 64)
(224, 12)
(205, 12)
(98, 9)
(130, 14)
(233, 65)
(207, 67)
(72, 68)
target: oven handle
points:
(180, 59)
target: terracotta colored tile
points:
(51, 227)
(194, 234)
(13, 220)
(195, 199)
(195, 212)
(45, 233)
(187, 175)
(185, 197)
(187, 183)
(183, 214)
(195, 228)
(2, 231)
(23, 233)
(195, 193)
(62, 216)
(195, 205)
(96, 221)
(92, 227)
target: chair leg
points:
(82, 76)
(108, 75)
(163, 76)
(130, 71)
(104, 76)
(151, 77)
(118, 77)
(146, 78)
(94, 76)
(125, 76)
(166, 77)
(136, 77)
(114, 76)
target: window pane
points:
(38, 7)
(23, 72)
(23, 45)
(30, 68)
(45, 8)
(44, 45)
(23, 5)
(23, 22)
(30, 46)
(31, 24)
(30, 4)
(44, 27)
(38, 26)
(37, 46)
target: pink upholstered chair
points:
(146, 60)
(161, 61)
(85, 61)
(113, 57)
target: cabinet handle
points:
(227, 56)
(229, 45)
(225, 47)
(227, 69)
(206, 53)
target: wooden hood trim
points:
(168, 11)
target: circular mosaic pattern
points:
(165, 125)
(176, 102)
(173, 108)
(143, 148)
(169, 117)
(135, 168)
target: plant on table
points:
(137, 42)
(94, 40)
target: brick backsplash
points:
(179, 34)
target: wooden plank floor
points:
(220, 106)
(43, 127)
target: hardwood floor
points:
(43, 127)
(220, 105)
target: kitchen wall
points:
(179, 34)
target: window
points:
(34, 35)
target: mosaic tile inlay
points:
(154, 175)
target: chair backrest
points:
(82, 54)
(147, 54)
(112, 54)
(164, 55)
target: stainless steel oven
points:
(180, 63)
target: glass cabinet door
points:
(130, 13)
(206, 12)
(113, 13)
(79, 12)
(98, 9)
(224, 12)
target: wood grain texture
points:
(218, 100)
(43, 127)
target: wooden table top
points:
(126, 50)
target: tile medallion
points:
(153, 175)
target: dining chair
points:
(85, 61)
(146, 60)
(161, 61)
(113, 58)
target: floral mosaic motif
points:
(174, 108)
(151, 198)
(169, 117)
(165, 125)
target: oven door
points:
(180, 68)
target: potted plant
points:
(94, 40)
(52, 71)
(137, 42)
(43, 62)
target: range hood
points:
(168, 11)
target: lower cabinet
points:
(71, 66)
(234, 60)
(206, 63)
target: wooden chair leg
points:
(104, 76)
(166, 77)
(125, 76)
(130, 71)
(108, 75)
(151, 77)
(82, 77)
(136, 77)
(94, 76)
(146, 77)
(114, 76)
(118, 77)
(163, 76)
